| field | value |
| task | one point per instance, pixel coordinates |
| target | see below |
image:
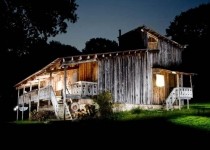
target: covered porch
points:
(58, 85)
(172, 88)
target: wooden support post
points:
(38, 96)
(29, 104)
(23, 102)
(181, 80)
(191, 83)
(50, 85)
(64, 94)
(191, 88)
(18, 104)
(177, 76)
(187, 103)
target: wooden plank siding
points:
(88, 72)
(127, 78)
(168, 55)
(161, 93)
(130, 78)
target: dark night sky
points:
(103, 18)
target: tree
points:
(24, 22)
(192, 28)
(100, 45)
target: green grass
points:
(198, 116)
(198, 122)
(22, 122)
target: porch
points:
(172, 88)
(61, 107)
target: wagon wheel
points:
(74, 106)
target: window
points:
(160, 80)
(152, 42)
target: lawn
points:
(157, 127)
(198, 116)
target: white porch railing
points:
(46, 93)
(178, 93)
(35, 95)
(54, 101)
(83, 88)
(185, 93)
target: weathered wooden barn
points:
(139, 75)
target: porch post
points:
(191, 81)
(191, 89)
(18, 103)
(181, 85)
(38, 95)
(23, 102)
(64, 94)
(181, 80)
(50, 87)
(177, 76)
(29, 103)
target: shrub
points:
(136, 111)
(42, 115)
(104, 100)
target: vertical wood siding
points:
(168, 55)
(127, 77)
(161, 93)
(88, 71)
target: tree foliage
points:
(192, 26)
(25, 22)
(100, 45)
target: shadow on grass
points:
(145, 131)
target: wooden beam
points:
(18, 104)
(191, 85)
(29, 104)
(23, 103)
(64, 94)
(38, 96)
(191, 82)
(181, 80)
(50, 84)
(177, 77)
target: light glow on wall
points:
(160, 80)
(59, 85)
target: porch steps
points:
(59, 107)
(178, 93)
(61, 112)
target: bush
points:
(136, 111)
(104, 100)
(42, 115)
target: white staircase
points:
(177, 93)
(60, 107)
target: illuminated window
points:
(160, 80)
